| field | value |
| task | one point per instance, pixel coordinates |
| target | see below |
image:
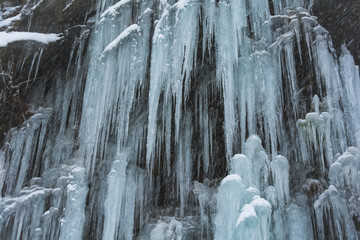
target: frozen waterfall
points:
(191, 119)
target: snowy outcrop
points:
(9, 37)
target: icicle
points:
(229, 203)
(331, 212)
(227, 58)
(254, 220)
(205, 197)
(72, 224)
(241, 166)
(184, 165)
(280, 171)
(108, 103)
(344, 173)
(299, 221)
(350, 87)
(114, 199)
(259, 162)
(19, 151)
(315, 135)
(159, 57)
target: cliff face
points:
(341, 19)
(122, 119)
(30, 68)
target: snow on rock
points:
(122, 37)
(45, 38)
(68, 5)
(6, 22)
(114, 9)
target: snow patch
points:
(9, 37)
(120, 39)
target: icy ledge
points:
(9, 37)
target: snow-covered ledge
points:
(9, 37)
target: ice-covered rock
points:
(332, 216)
(280, 172)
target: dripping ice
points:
(167, 151)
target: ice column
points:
(72, 224)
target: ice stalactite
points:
(333, 220)
(250, 215)
(113, 202)
(175, 96)
(22, 152)
(229, 203)
(299, 222)
(315, 131)
(75, 205)
(112, 105)
(280, 170)
(43, 185)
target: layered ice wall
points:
(229, 119)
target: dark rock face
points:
(29, 68)
(342, 19)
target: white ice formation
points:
(171, 97)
